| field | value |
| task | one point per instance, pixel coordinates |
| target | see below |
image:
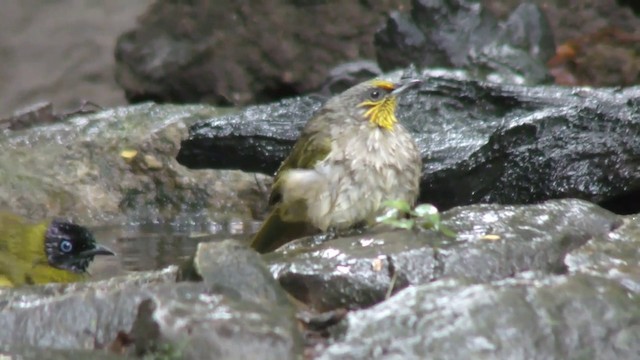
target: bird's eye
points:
(66, 246)
(375, 95)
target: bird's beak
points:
(404, 85)
(98, 250)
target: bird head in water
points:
(44, 252)
(71, 247)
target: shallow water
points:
(155, 246)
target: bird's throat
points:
(382, 114)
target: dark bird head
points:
(71, 247)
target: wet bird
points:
(351, 156)
(44, 252)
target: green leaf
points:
(390, 214)
(448, 232)
(398, 204)
(424, 210)
(402, 223)
(427, 225)
(433, 218)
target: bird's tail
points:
(275, 232)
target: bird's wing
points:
(313, 145)
(21, 244)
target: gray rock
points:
(74, 316)
(561, 317)
(238, 310)
(498, 242)
(28, 353)
(238, 272)
(77, 169)
(493, 242)
(186, 322)
(615, 255)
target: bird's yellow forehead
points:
(383, 84)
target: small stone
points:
(152, 163)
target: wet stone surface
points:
(493, 242)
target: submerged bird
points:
(350, 157)
(49, 251)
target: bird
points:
(48, 251)
(351, 156)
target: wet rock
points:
(74, 316)
(177, 320)
(236, 53)
(481, 142)
(187, 322)
(463, 34)
(559, 317)
(237, 271)
(29, 353)
(353, 272)
(493, 242)
(255, 140)
(117, 166)
(615, 256)
(241, 310)
(501, 241)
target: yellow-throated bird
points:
(49, 251)
(350, 157)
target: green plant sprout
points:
(400, 215)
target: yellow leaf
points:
(128, 154)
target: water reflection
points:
(155, 246)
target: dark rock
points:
(255, 140)
(493, 242)
(463, 34)
(42, 114)
(598, 41)
(562, 317)
(481, 142)
(354, 272)
(37, 114)
(238, 53)
(322, 321)
(631, 4)
(187, 322)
